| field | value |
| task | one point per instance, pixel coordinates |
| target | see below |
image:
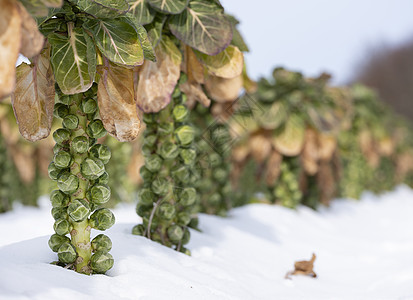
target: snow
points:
(364, 251)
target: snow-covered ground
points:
(364, 251)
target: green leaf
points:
(117, 39)
(73, 60)
(103, 8)
(169, 6)
(141, 11)
(35, 7)
(237, 39)
(203, 26)
(154, 29)
(289, 141)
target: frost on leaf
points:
(157, 80)
(31, 39)
(10, 40)
(116, 100)
(33, 98)
(223, 89)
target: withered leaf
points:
(10, 40)
(116, 100)
(194, 68)
(310, 154)
(194, 93)
(31, 39)
(273, 167)
(157, 80)
(327, 144)
(290, 140)
(223, 89)
(33, 98)
(260, 147)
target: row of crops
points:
(168, 80)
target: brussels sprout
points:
(59, 213)
(176, 93)
(180, 174)
(70, 122)
(65, 99)
(214, 199)
(153, 163)
(101, 243)
(62, 159)
(67, 183)
(59, 199)
(166, 211)
(169, 150)
(57, 148)
(102, 219)
(165, 129)
(99, 194)
(160, 186)
(150, 140)
(215, 159)
(78, 210)
(146, 196)
(60, 110)
(147, 150)
(92, 168)
(138, 230)
(53, 171)
(180, 113)
(187, 197)
(67, 253)
(61, 136)
(186, 237)
(56, 241)
(104, 179)
(95, 129)
(89, 106)
(184, 218)
(145, 174)
(149, 118)
(101, 152)
(101, 262)
(92, 141)
(80, 144)
(220, 175)
(188, 156)
(194, 223)
(62, 226)
(185, 134)
(143, 210)
(175, 233)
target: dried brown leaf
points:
(116, 100)
(223, 89)
(327, 144)
(310, 153)
(194, 68)
(386, 146)
(10, 40)
(194, 93)
(31, 39)
(33, 98)
(260, 147)
(273, 167)
(304, 267)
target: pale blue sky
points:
(318, 35)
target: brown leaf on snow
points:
(116, 100)
(223, 89)
(10, 40)
(31, 39)
(33, 98)
(304, 267)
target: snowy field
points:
(364, 251)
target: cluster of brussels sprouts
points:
(212, 141)
(78, 168)
(167, 200)
(6, 178)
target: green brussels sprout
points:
(78, 210)
(104, 179)
(186, 237)
(92, 141)
(62, 226)
(59, 213)
(215, 159)
(138, 230)
(180, 113)
(59, 199)
(220, 175)
(149, 118)
(160, 186)
(53, 171)
(57, 148)
(101, 152)
(65, 99)
(145, 174)
(102, 219)
(185, 251)
(176, 93)
(175, 233)
(101, 262)
(67, 183)
(56, 241)
(143, 210)
(61, 136)
(146, 196)
(188, 196)
(194, 223)
(92, 168)
(169, 150)
(188, 156)
(101, 243)
(153, 162)
(227, 189)
(99, 193)
(166, 211)
(89, 106)
(60, 110)
(95, 129)
(147, 150)
(180, 174)
(67, 253)
(214, 199)
(165, 129)
(150, 140)
(80, 144)
(70, 122)
(62, 159)
(185, 134)
(184, 218)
